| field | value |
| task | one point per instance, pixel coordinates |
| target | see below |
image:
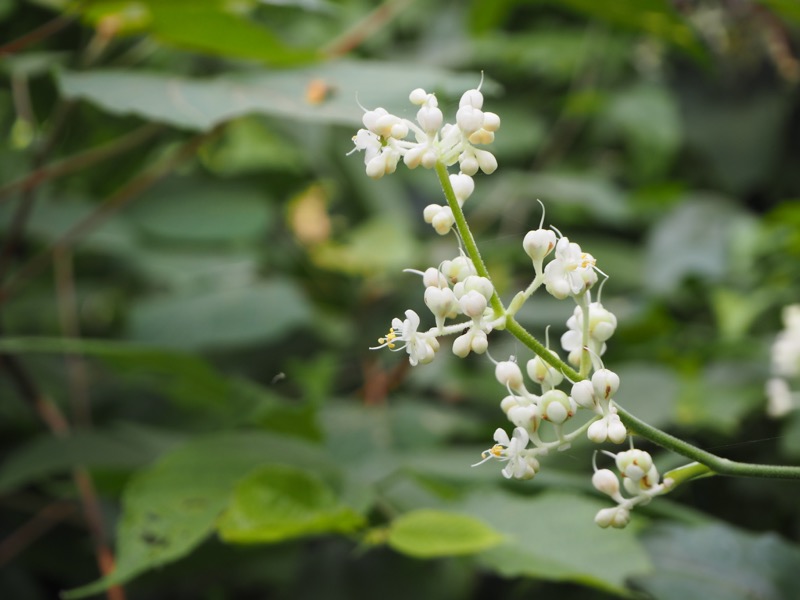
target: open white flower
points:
(512, 450)
(571, 272)
(421, 346)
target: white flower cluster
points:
(451, 290)
(639, 478)
(456, 290)
(785, 365)
(384, 143)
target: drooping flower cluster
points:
(457, 290)
(785, 365)
(639, 478)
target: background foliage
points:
(192, 271)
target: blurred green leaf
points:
(647, 117)
(717, 562)
(720, 396)
(171, 507)
(694, 240)
(553, 536)
(183, 376)
(201, 104)
(220, 318)
(649, 391)
(208, 212)
(433, 533)
(277, 503)
(209, 26)
(124, 448)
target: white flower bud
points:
(430, 212)
(430, 118)
(480, 342)
(617, 432)
(443, 221)
(605, 481)
(413, 158)
(462, 345)
(479, 284)
(429, 159)
(526, 417)
(472, 304)
(472, 98)
(488, 164)
(508, 374)
(457, 269)
(634, 463)
(507, 403)
(463, 186)
(491, 122)
(583, 394)
(542, 373)
(605, 516)
(441, 301)
(376, 167)
(598, 431)
(433, 277)
(468, 164)
(418, 96)
(556, 406)
(481, 137)
(539, 243)
(371, 117)
(621, 518)
(605, 383)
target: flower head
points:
(571, 272)
(512, 450)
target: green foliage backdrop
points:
(192, 271)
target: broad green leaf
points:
(696, 239)
(553, 536)
(720, 396)
(654, 17)
(200, 104)
(647, 117)
(182, 376)
(717, 562)
(124, 448)
(649, 391)
(173, 506)
(209, 26)
(196, 211)
(220, 318)
(277, 503)
(433, 533)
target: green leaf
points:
(696, 239)
(208, 26)
(200, 104)
(277, 503)
(208, 212)
(182, 376)
(717, 562)
(647, 117)
(429, 533)
(173, 506)
(124, 448)
(220, 318)
(553, 536)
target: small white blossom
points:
(421, 347)
(512, 450)
(571, 272)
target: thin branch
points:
(81, 160)
(369, 25)
(34, 528)
(42, 32)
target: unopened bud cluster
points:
(464, 304)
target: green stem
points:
(466, 235)
(710, 464)
(717, 464)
